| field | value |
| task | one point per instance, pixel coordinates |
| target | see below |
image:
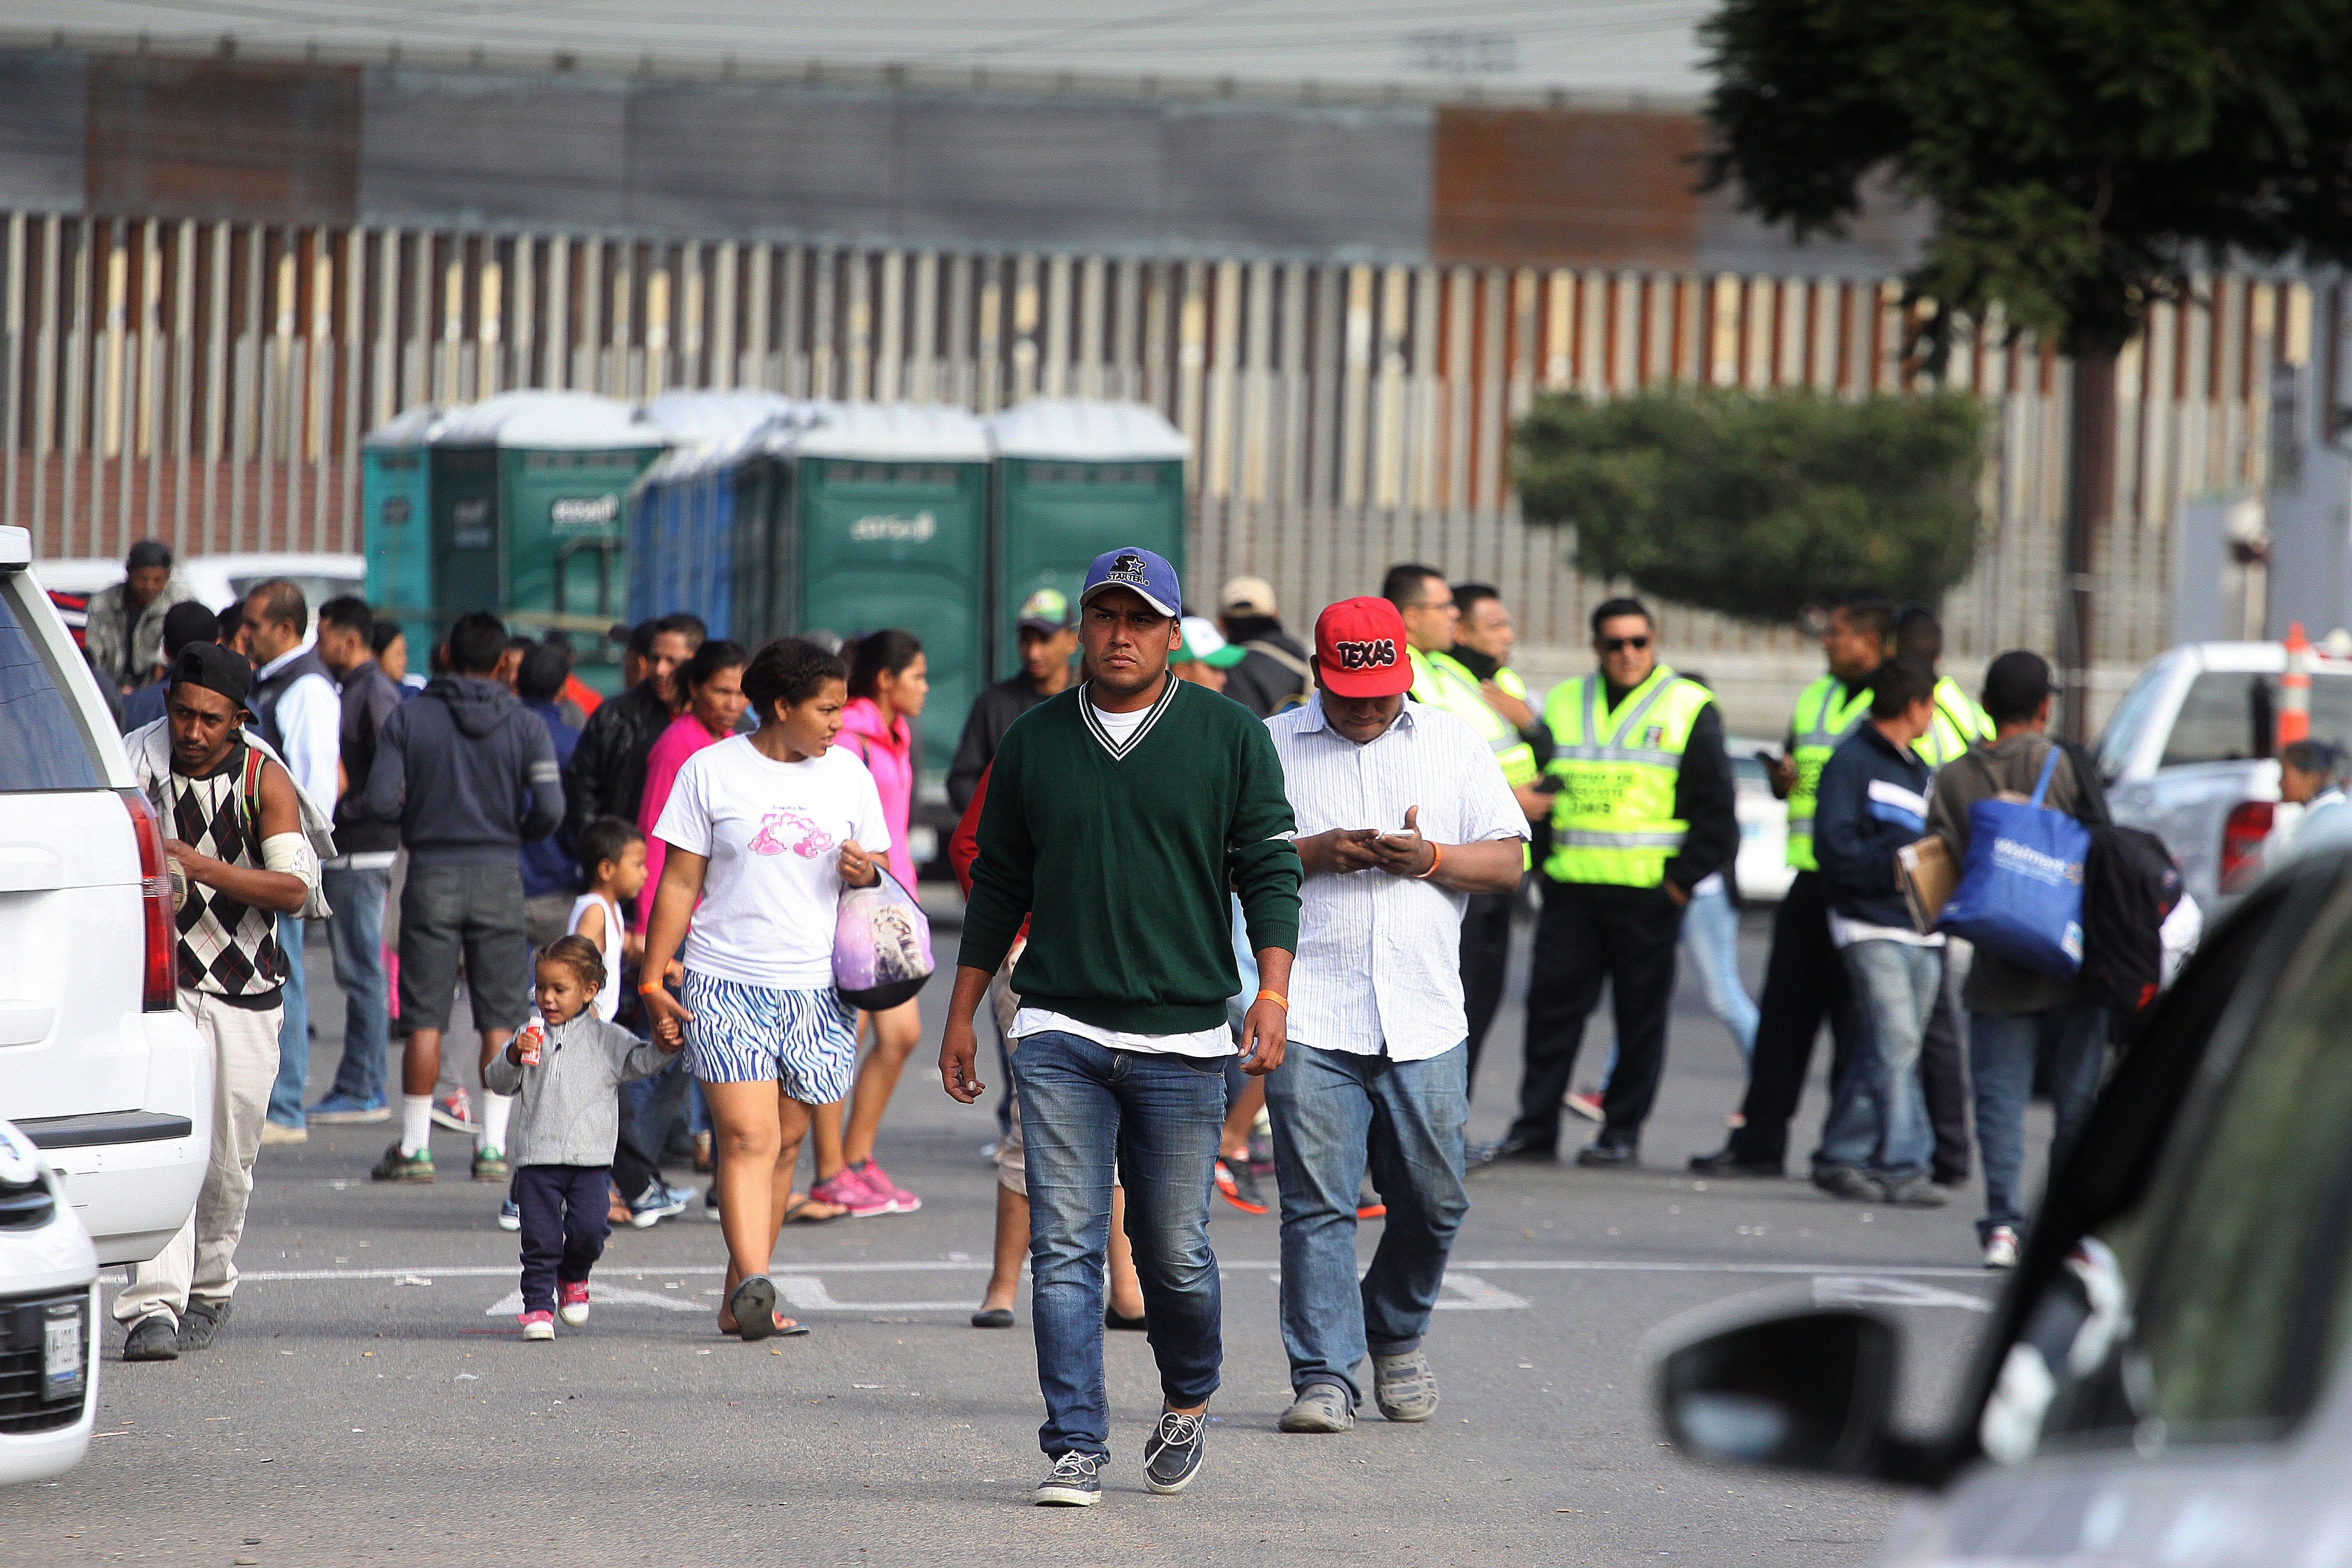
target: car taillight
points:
(2242, 835)
(160, 992)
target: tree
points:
(1759, 506)
(2081, 158)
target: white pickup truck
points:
(2189, 754)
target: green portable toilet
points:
(1073, 479)
(885, 523)
(529, 520)
(396, 523)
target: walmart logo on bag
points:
(2027, 861)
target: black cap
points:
(187, 622)
(214, 668)
(2015, 684)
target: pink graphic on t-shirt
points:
(787, 828)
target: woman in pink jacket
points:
(888, 683)
(714, 706)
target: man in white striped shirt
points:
(1401, 815)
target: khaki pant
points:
(201, 1259)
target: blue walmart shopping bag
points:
(2021, 892)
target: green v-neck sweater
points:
(1121, 858)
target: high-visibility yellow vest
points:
(1958, 724)
(1822, 720)
(1440, 680)
(1614, 820)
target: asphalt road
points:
(370, 1403)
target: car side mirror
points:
(1810, 1390)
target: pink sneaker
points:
(877, 1181)
(845, 1187)
(571, 1300)
(537, 1325)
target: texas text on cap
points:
(1360, 649)
(1046, 610)
(1140, 572)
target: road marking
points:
(1475, 1294)
(1862, 1290)
(511, 1304)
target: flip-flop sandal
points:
(753, 1307)
(796, 1213)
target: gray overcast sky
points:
(1608, 45)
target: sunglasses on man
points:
(1619, 645)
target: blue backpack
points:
(2021, 891)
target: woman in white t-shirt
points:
(763, 832)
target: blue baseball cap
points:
(1141, 572)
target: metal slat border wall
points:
(207, 383)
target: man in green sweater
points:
(1119, 815)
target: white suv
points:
(97, 1067)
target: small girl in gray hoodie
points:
(563, 1068)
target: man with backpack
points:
(2017, 1016)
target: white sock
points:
(496, 1109)
(415, 1124)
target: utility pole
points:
(2090, 508)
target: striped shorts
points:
(805, 1041)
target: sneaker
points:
(509, 1216)
(1585, 1102)
(710, 1203)
(1075, 1481)
(454, 1109)
(1913, 1192)
(203, 1319)
(2001, 1248)
(153, 1338)
(657, 1203)
(1508, 1151)
(1321, 1407)
(1261, 1151)
(396, 1166)
(1173, 1454)
(1368, 1202)
(276, 1132)
(1403, 1386)
(571, 1300)
(1240, 1188)
(490, 1165)
(537, 1325)
(844, 1189)
(1845, 1182)
(336, 1111)
(1728, 1162)
(877, 1181)
(1603, 1154)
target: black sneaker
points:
(204, 1319)
(1845, 1182)
(1171, 1454)
(1729, 1162)
(1510, 1149)
(1913, 1192)
(1076, 1482)
(153, 1338)
(1603, 1153)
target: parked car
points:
(217, 581)
(1763, 865)
(48, 1320)
(97, 1066)
(2163, 1381)
(2188, 755)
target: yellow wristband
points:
(1276, 997)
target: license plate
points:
(62, 1360)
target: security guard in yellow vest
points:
(1482, 650)
(1804, 980)
(1643, 812)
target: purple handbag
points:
(881, 945)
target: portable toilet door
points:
(1076, 477)
(702, 541)
(553, 466)
(887, 525)
(396, 523)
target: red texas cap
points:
(1360, 649)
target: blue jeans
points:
(2002, 1049)
(1878, 1115)
(356, 937)
(1333, 1113)
(1711, 931)
(1085, 1111)
(287, 1094)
